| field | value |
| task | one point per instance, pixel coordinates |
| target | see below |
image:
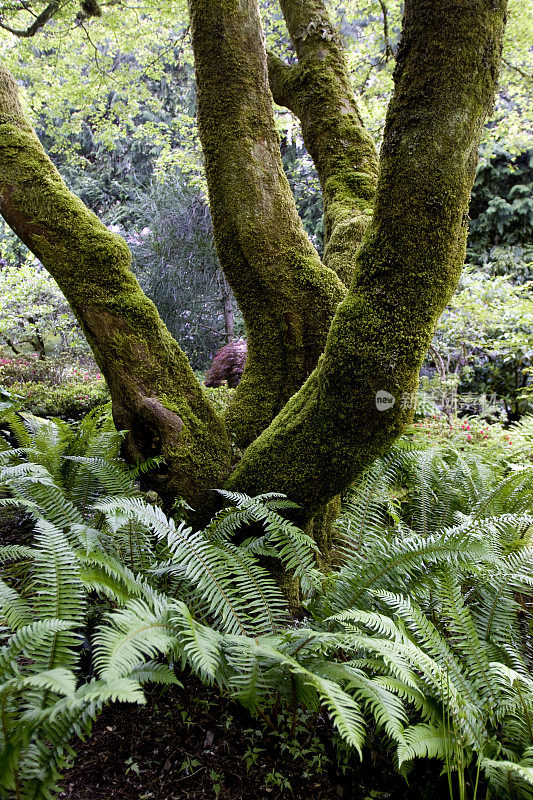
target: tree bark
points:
(407, 267)
(287, 296)
(156, 397)
(12, 346)
(318, 90)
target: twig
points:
(38, 23)
(520, 71)
(388, 47)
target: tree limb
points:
(39, 22)
(318, 90)
(520, 71)
(156, 397)
(389, 52)
(287, 296)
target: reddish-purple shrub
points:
(228, 365)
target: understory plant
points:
(70, 401)
(420, 630)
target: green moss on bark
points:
(287, 296)
(155, 394)
(318, 90)
(407, 267)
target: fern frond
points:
(423, 741)
(365, 509)
(57, 593)
(343, 709)
(14, 610)
(144, 467)
(29, 639)
(109, 577)
(511, 495)
(58, 680)
(257, 588)
(49, 753)
(510, 779)
(112, 476)
(444, 673)
(15, 552)
(133, 635)
(203, 564)
(33, 483)
(295, 548)
(383, 562)
(199, 646)
(152, 672)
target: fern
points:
(420, 630)
(233, 589)
(294, 548)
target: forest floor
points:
(191, 744)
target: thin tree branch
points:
(388, 47)
(520, 71)
(319, 91)
(37, 24)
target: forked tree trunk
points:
(404, 267)
(409, 262)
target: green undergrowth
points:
(55, 386)
(419, 638)
(69, 401)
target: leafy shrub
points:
(54, 387)
(71, 400)
(501, 207)
(34, 311)
(484, 343)
(220, 396)
(175, 261)
(15, 369)
(514, 262)
(468, 433)
(52, 370)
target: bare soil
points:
(190, 743)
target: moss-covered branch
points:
(155, 394)
(408, 265)
(318, 90)
(287, 296)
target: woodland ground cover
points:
(417, 644)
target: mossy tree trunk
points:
(318, 91)
(408, 264)
(287, 296)
(155, 394)
(309, 420)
